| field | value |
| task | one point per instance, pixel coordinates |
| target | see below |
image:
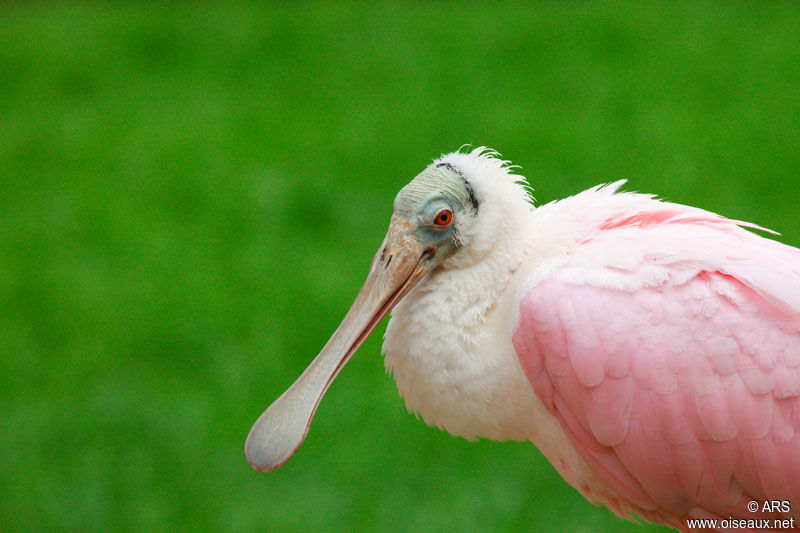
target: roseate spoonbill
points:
(650, 350)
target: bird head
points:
(440, 221)
(437, 208)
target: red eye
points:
(443, 217)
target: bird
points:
(650, 350)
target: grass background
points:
(190, 197)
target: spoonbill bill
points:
(649, 349)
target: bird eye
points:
(443, 218)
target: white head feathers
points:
(502, 201)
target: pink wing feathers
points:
(668, 348)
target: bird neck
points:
(449, 347)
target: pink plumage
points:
(667, 346)
(650, 350)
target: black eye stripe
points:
(470, 192)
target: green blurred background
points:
(190, 198)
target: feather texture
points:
(650, 350)
(666, 343)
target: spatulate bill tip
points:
(257, 465)
(263, 459)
